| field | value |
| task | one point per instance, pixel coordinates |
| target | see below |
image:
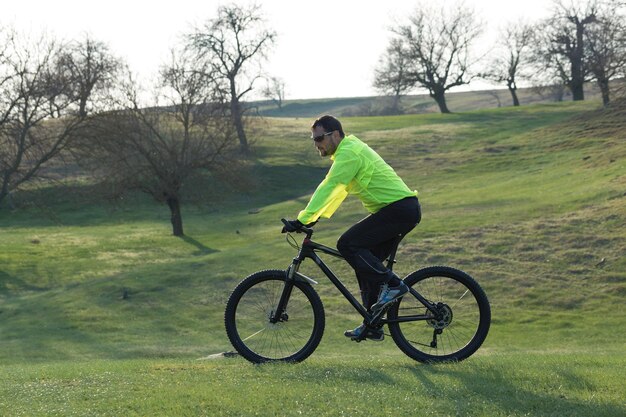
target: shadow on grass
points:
(515, 393)
(202, 249)
(10, 283)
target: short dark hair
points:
(329, 124)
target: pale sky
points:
(325, 48)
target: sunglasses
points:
(321, 137)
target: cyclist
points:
(394, 211)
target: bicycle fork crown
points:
(292, 273)
(293, 268)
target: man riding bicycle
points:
(394, 211)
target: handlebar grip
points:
(302, 229)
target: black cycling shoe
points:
(374, 335)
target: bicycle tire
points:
(248, 326)
(464, 324)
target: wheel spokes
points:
(455, 325)
(274, 340)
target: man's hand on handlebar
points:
(294, 225)
(291, 225)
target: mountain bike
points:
(276, 315)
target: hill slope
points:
(413, 104)
(531, 201)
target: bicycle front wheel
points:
(460, 325)
(251, 306)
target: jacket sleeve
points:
(332, 190)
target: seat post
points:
(392, 256)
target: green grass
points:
(573, 384)
(103, 312)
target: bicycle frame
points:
(308, 250)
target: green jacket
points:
(357, 169)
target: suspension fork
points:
(282, 303)
(281, 308)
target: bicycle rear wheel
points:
(292, 338)
(461, 325)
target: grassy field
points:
(103, 312)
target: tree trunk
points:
(237, 117)
(395, 106)
(576, 86)
(514, 95)
(440, 98)
(604, 88)
(512, 86)
(82, 109)
(578, 75)
(176, 218)
(3, 195)
(4, 189)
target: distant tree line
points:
(581, 41)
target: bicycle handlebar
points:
(303, 229)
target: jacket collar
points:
(345, 139)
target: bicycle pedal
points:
(379, 313)
(359, 338)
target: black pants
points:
(369, 242)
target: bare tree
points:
(393, 76)
(549, 72)
(232, 43)
(606, 48)
(561, 45)
(159, 150)
(88, 67)
(38, 112)
(496, 96)
(438, 42)
(6, 74)
(275, 91)
(511, 54)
